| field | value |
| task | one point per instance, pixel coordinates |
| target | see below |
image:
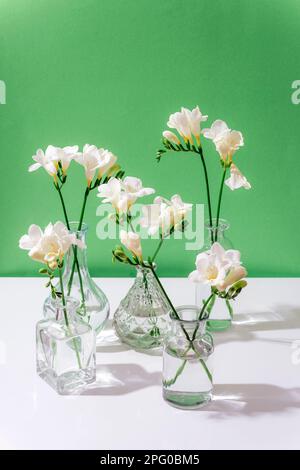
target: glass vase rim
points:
(193, 308)
(223, 224)
(74, 227)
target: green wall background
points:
(110, 72)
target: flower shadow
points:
(121, 379)
(233, 400)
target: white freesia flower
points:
(195, 117)
(134, 188)
(164, 214)
(122, 194)
(111, 192)
(94, 161)
(171, 137)
(218, 268)
(108, 160)
(64, 155)
(52, 157)
(45, 161)
(132, 242)
(49, 246)
(227, 142)
(237, 179)
(179, 121)
(187, 123)
(217, 130)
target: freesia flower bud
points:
(171, 137)
(132, 242)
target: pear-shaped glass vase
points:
(93, 303)
(221, 312)
(142, 317)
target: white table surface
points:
(256, 401)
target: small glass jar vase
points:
(66, 350)
(221, 312)
(187, 361)
(94, 306)
(142, 316)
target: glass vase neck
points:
(80, 252)
(69, 309)
(80, 233)
(217, 232)
(189, 320)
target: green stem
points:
(230, 310)
(86, 194)
(66, 316)
(204, 309)
(219, 203)
(206, 304)
(163, 290)
(168, 383)
(75, 262)
(209, 375)
(63, 204)
(158, 248)
(207, 188)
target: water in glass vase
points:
(142, 317)
(187, 361)
(94, 306)
(66, 350)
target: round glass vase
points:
(93, 303)
(142, 316)
(66, 349)
(187, 361)
(221, 311)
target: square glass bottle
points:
(66, 350)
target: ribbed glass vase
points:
(142, 316)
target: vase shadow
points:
(121, 379)
(251, 400)
(246, 325)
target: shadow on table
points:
(251, 400)
(245, 326)
(120, 379)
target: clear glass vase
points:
(221, 313)
(142, 316)
(66, 350)
(187, 361)
(94, 306)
